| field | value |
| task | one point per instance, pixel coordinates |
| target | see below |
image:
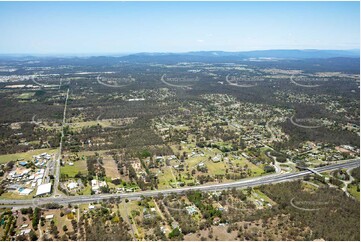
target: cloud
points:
(200, 40)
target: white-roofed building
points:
(43, 189)
(72, 185)
(25, 231)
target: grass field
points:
(13, 195)
(165, 177)
(352, 189)
(111, 169)
(26, 95)
(218, 168)
(264, 196)
(256, 171)
(71, 171)
(24, 155)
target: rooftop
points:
(43, 189)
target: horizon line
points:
(162, 52)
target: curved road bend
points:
(108, 85)
(252, 182)
(238, 85)
(172, 85)
(43, 85)
(302, 85)
(303, 126)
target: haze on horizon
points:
(128, 27)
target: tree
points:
(33, 236)
(65, 228)
(175, 233)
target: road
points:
(43, 85)
(301, 85)
(303, 126)
(244, 183)
(108, 85)
(57, 169)
(346, 183)
(172, 85)
(238, 85)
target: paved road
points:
(302, 85)
(303, 126)
(43, 85)
(172, 85)
(346, 183)
(108, 85)
(57, 169)
(239, 85)
(251, 182)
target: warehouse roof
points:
(43, 189)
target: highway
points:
(244, 183)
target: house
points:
(216, 159)
(72, 185)
(175, 225)
(191, 209)
(49, 216)
(164, 230)
(13, 187)
(25, 231)
(23, 163)
(96, 185)
(159, 158)
(216, 220)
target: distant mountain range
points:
(279, 54)
(347, 61)
(257, 54)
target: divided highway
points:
(252, 182)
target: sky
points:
(129, 27)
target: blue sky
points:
(127, 27)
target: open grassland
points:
(71, 171)
(352, 189)
(26, 95)
(24, 155)
(111, 169)
(15, 195)
(164, 178)
(256, 170)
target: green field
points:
(24, 155)
(71, 171)
(352, 189)
(165, 177)
(26, 95)
(256, 170)
(14, 195)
